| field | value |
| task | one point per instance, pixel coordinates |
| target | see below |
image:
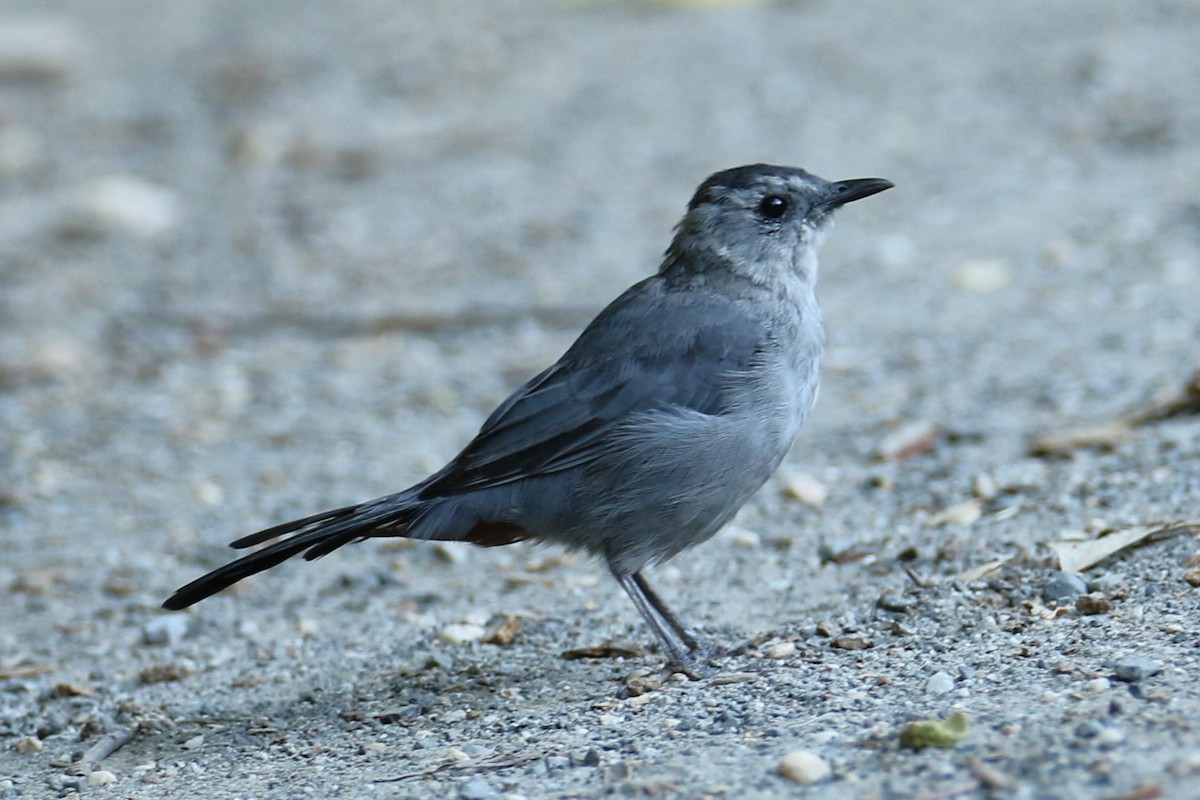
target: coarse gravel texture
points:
(260, 259)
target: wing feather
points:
(650, 349)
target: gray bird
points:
(667, 413)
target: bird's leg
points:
(685, 652)
(685, 633)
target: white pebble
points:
(122, 203)
(967, 513)
(807, 489)
(166, 629)
(461, 633)
(28, 744)
(741, 536)
(780, 650)
(209, 493)
(910, 438)
(982, 276)
(803, 767)
(939, 683)
(101, 777)
(983, 486)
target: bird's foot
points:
(697, 662)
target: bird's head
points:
(760, 220)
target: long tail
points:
(315, 536)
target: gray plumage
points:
(667, 413)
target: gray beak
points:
(844, 192)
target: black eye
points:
(773, 206)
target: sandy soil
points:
(259, 259)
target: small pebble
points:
(620, 771)
(504, 632)
(461, 633)
(28, 744)
(851, 643)
(804, 767)
(982, 276)
(1107, 582)
(1135, 668)
(165, 629)
(828, 628)
(780, 650)
(741, 536)
(101, 777)
(939, 683)
(910, 439)
(124, 204)
(1063, 587)
(806, 488)
(983, 486)
(896, 603)
(1092, 604)
(642, 681)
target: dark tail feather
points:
(326, 532)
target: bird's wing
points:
(650, 349)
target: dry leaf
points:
(908, 440)
(1108, 435)
(967, 513)
(1077, 555)
(982, 571)
(1182, 401)
(609, 650)
(1105, 435)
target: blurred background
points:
(258, 259)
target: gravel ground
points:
(259, 259)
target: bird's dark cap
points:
(742, 178)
